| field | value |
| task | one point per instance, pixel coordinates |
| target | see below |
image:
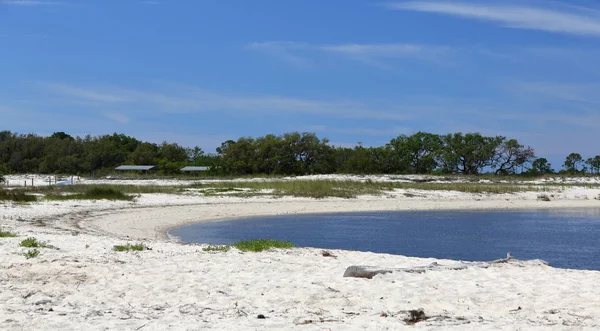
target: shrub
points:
(129, 247)
(259, 245)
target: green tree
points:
(144, 154)
(541, 166)
(510, 155)
(594, 164)
(415, 153)
(194, 154)
(468, 154)
(572, 162)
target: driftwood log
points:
(368, 272)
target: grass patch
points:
(129, 247)
(319, 189)
(32, 253)
(7, 234)
(17, 196)
(216, 248)
(32, 242)
(259, 245)
(93, 193)
(126, 189)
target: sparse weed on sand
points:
(30, 254)
(16, 196)
(216, 248)
(32, 242)
(7, 234)
(347, 189)
(259, 245)
(130, 247)
(94, 193)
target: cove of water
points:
(564, 238)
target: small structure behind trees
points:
(143, 168)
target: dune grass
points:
(127, 189)
(259, 245)
(16, 196)
(7, 234)
(32, 253)
(350, 188)
(93, 193)
(32, 242)
(130, 247)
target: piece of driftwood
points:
(368, 272)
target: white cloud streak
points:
(185, 99)
(297, 53)
(117, 117)
(579, 22)
(30, 3)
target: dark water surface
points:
(565, 238)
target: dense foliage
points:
(61, 153)
(288, 154)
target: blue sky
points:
(199, 72)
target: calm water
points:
(565, 238)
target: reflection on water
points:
(565, 238)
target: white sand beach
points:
(84, 284)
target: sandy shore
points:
(86, 285)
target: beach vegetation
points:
(130, 247)
(216, 248)
(32, 242)
(16, 196)
(259, 245)
(32, 253)
(93, 193)
(352, 188)
(7, 234)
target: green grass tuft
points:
(7, 234)
(259, 245)
(30, 254)
(129, 247)
(217, 248)
(16, 196)
(94, 193)
(34, 243)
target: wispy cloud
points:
(300, 54)
(577, 21)
(30, 3)
(186, 99)
(82, 93)
(117, 117)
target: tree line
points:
(287, 154)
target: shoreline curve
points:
(154, 223)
